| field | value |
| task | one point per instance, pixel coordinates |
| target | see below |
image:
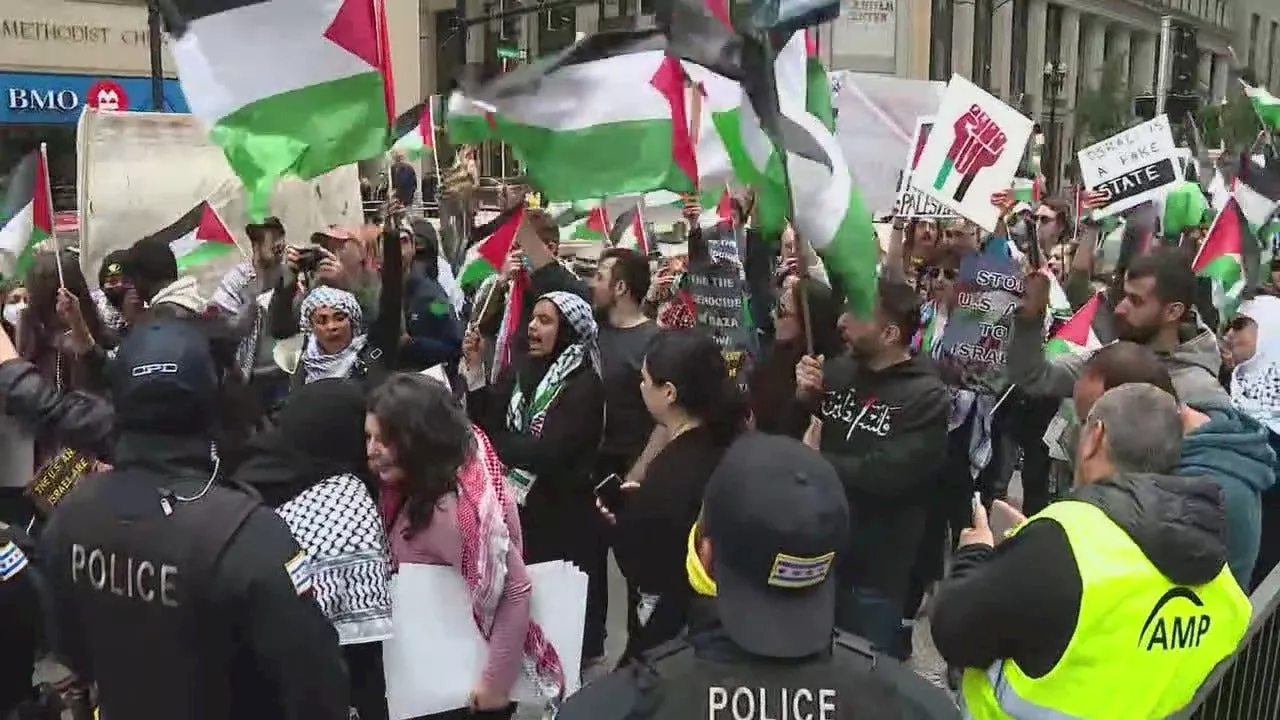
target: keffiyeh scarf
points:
(526, 415)
(337, 524)
(485, 542)
(1255, 383)
(316, 364)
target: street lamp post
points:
(1055, 75)
(154, 40)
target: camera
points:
(309, 259)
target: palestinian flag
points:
(592, 227)
(1266, 105)
(605, 117)
(485, 258)
(817, 87)
(829, 212)
(321, 101)
(414, 132)
(26, 215)
(1222, 258)
(1027, 190)
(629, 231)
(1080, 334)
(198, 237)
(1258, 194)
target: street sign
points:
(512, 53)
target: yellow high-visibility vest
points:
(1142, 645)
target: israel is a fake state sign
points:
(1132, 166)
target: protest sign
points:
(719, 306)
(57, 478)
(973, 152)
(1132, 167)
(976, 336)
(912, 203)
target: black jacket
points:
(885, 432)
(673, 682)
(561, 504)
(264, 651)
(75, 419)
(21, 621)
(1021, 601)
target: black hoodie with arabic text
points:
(885, 432)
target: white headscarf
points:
(1255, 383)
(316, 364)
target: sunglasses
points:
(1237, 324)
(947, 273)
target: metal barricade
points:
(1246, 686)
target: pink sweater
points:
(441, 544)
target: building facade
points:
(1040, 55)
(1257, 40)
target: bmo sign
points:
(35, 99)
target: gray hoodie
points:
(1193, 366)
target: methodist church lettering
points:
(68, 33)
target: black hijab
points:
(319, 433)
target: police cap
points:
(776, 515)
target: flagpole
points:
(53, 229)
(435, 155)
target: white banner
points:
(138, 172)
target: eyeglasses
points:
(1046, 219)
(947, 273)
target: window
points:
(1254, 22)
(556, 29)
(1271, 52)
(616, 15)
(982, 14)
(1018, 49)
(940, 29)
(451, 51)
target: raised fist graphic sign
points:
(978, 144)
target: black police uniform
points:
(20, 619)
(705, 675)
(764, 646)
(180, 597)
(192, 614)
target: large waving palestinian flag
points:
(605, 117)
(287, 87)
(26, 215)
(1224, 256)
(198, 237)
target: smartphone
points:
(610, 493)
(977, 502)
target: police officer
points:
(761, 640)
(180, 597)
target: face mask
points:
(13, 313)
(115, 296)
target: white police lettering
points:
(155, 368)
(124, 576)
(743, 703)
